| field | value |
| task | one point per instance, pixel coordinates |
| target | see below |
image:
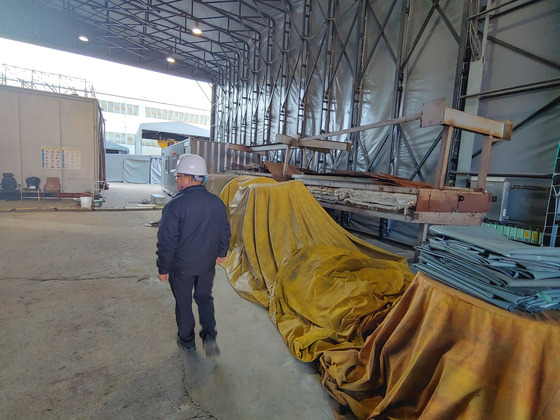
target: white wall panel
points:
(32, 121)
(10, 158)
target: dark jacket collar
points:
(192, 188)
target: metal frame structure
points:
(477, 43)
(348, 37)
(278, 66)
(304, 68)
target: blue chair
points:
(32, 187)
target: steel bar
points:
(545, 84)
(454, 33)
(545, 108)
(524, 53)
(378, 151)
(380, 27)
(419, 35)
(399, 84)
(501, 175)
(411, 153)
(344, 53)
(364, 127)
(515, 8)
(356, 112)
(376, 42)
(492, 9)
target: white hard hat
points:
(190, 164)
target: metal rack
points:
(551, 236)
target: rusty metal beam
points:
(436, 113)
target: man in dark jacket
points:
(193, 237)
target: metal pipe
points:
(524, 53)
(503, 175)
(365, 127)
(514, 90)
(545, 108)
(492, 9)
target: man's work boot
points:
(188, 349)
(211, 347)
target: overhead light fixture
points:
(170, 59)
(196, 30)
(83, 38)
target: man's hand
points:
(220, 260)
(162, 277)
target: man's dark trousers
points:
(182, 285)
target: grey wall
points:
(34, 121)
(137, 169)
(333, 65)
(328, 65)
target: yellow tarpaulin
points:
(324, 287)
(442, 354)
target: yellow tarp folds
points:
(442, 354)
(324, 287)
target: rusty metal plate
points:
(450, 200)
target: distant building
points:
(115, 149)
(124, 117)
(168, 132)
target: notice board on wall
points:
(61, 158)
(51, 158)
(71, 159)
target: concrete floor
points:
(89, 332)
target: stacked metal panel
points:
(481, 262)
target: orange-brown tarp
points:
(324, 287)
(442, 354)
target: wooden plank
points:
(238, 147)
(484, 162)
(324, 146)
(277, 168)
(440, 218)
(478, 124)
(382, 179)
(268, 147)
(373, 213)
(445, 146)
(436, 113)
(282, 138)
(364, 183)
(450, 200)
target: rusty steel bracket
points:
(436, 113)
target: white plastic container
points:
(85, 202)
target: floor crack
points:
(67, 279)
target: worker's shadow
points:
(162, 391)
(198, 368)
